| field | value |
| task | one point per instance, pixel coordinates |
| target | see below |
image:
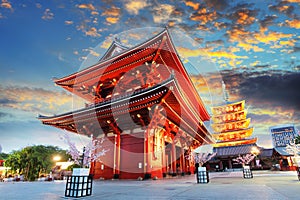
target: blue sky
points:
(253, 47)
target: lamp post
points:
(56, 158)
(82, 159)
(255, 151)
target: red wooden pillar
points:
(173, 160)
(117, 155)
(164, 162)
(147, 153)
(183, 167)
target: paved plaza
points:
(264, 185)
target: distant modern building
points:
(282, 135)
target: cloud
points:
(282, 7)
(134, 6)
(194, 5)
(87, 6)
(248, 47)
(269, 37)
(249, 40)
(113, 11)
(34, 99)
(295, 23)
(112, 15)
(187, 52)
(244, 16)
(219, 5)
(203, 16)
(112, 20)
(162, 13)
(237, 34)
(215, 42)
(272, 97)
(276, 88)
(69, 22)
(48, 15)
(268, 21)
(6, 4)
(92, 32)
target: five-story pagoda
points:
(232, 132)
(142, 101)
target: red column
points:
(182, 161)
(173, 160)
(117, 155)
(163, 149)
(147, 153)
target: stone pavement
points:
(264, 185)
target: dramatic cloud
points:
(203, 16)
(283, 7)
(244, 16)
(34, 99)
(112, 15)
(217, 4)
(268, 21)
(194, 5)
(134, 6)
(293, 23)
(272, 88)
(162, 12)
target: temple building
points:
(231, 130)
(143, 102)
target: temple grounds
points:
(264, 185)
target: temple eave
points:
(235, 143)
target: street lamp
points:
(255, 151)
(57, 158)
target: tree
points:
(33, 160)
(200, 158)
(3, 156)
(293, 149)
(92, 151)
(244, 159)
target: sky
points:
(252, 46)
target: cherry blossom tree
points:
(92, 151)
(244, 159)
(200, 158)
(293, 148)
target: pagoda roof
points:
(230, 117)
(234, 150)
(111, 68)
(266, 152)
(231, 126)
(177, 109)
(228, 108)
(232, 135)
(235, 142)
